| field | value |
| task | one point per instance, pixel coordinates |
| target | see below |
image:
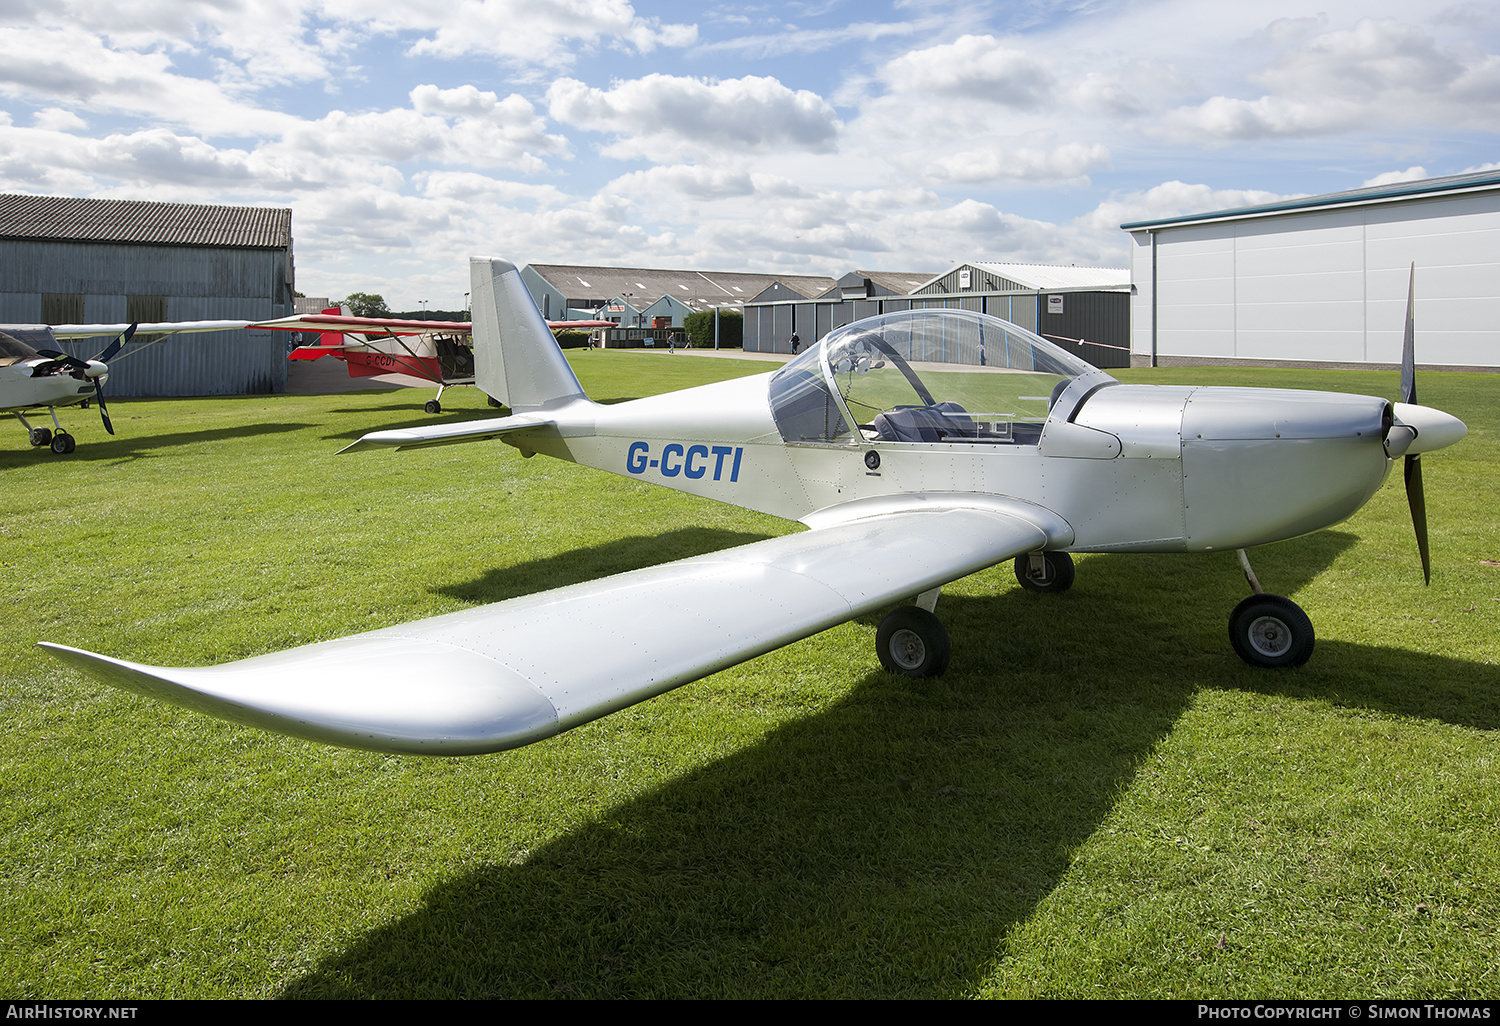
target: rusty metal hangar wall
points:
(65, 260)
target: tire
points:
(1271, 631)
(1057, 575)
(913, 642)
(62, 443)
(41, 436)
(433, 406)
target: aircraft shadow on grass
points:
(122, 447)
(947, 830)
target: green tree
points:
(365, 304)
(700, 329)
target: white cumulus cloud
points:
(670, 114)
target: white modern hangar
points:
(1322, 281)
(66, 260)
(1086, 310)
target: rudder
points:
(516, 357)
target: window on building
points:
(145, 309)
(62, 308)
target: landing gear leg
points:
(36, 435)
(1269, 630)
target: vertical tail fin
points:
(516, 358)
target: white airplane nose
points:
(1435, 429)
(95, 369)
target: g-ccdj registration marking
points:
(690, 461)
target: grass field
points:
(1098, 800)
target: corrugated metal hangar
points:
(95, 261)
(1086, 310)
(1322, 281)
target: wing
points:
(374, 325)
(505, 675)
(163, 328)
(299, 322)
(395, 325)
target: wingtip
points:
(374, 692)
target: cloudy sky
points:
(804, 137)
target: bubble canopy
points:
(924, 376)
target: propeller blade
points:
(118, 344)
(1417, 500)
(103, 413)
(60, 359)
(1408, 346)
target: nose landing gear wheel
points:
(913, 642)
(1271, 631)
(63, 443)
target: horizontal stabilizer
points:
(451, 434)
(504, 675)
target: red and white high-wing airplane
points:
(441, 352)
(918, 447)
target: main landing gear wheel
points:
(433, 406)
(913, 642)
(63, 443)
(1056, 576)
(1268, 630)
(41, 436)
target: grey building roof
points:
(73, 219)
(898, 282)
(1393, 191)
(588, 286)
(1042, 277)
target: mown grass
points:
(1098, 799)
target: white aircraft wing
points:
(504, 675)
(164, 328)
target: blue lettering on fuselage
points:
(693, 461)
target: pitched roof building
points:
(74, 260)
(559, 288)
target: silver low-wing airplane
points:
(918, 448)
(32, 380)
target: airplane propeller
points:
(1415, 497)
(94, 370)
(1408, 420)
(97, 377)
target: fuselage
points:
(19, 390)
(1131, 467)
